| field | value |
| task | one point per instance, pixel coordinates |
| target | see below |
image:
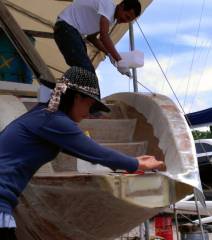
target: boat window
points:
(203, 147)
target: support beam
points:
(23, 45)
(18, 89)
(39, 34)
(23, 11)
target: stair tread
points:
(65, 162)
(87, 120)
(124, 143)
(110, 130)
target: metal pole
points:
(176, 221)
(200, 221)
(141, 231)
(132, 47)
(146, 224)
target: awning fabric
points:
(39, 17)
(200, 118)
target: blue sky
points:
(180, 34)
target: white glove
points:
(125, 71)
(123, 68)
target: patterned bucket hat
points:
(81, 80)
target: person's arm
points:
(113, 55)
(106, 40)
(96, 42)
(65, 134)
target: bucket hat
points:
(81, 80)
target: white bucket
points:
(132, 59)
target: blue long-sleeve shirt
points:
(36, 138)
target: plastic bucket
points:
(133, 59)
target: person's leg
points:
(71, 45)
(7, 234)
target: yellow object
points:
(87, 133)
(156, 238)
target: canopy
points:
(38, 17)
(200, 118)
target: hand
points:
(125, 71)
(147, 162)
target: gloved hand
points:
(125, 71)
(123, 68)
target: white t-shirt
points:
(84, 15)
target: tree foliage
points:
(202, 134)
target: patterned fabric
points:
(54, 102)
(78, 79)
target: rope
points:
(174, 44)
(194, 53)
(145, 87)
(200, 79)
(166, 78)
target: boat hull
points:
(85, 207)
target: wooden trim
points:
(39, 34)
(29, 14)
(18, 89)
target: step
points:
(18, 89)
(29, 103)
(115, 112)
(132, 148)
(10, 109)
(65, 162)
(44, 170)
(109, 130)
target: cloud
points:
(177, 72)
(192, 41)
(199, 89)
(99, 74)
(171, 29)
(188, 84)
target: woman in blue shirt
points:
(39, 135)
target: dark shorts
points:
(7, 234)
(72, 46)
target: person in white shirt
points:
(91, 19)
